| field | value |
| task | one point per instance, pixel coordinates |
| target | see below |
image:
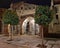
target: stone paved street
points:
(27, 41)
(5, 45)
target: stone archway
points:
(22, 18)
(28, 26)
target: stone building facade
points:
(26, 11)
(56, 18)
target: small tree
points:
(43, 17)
(10, 18)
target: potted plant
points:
(10, 18)
(43, 17)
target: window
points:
(21, 8)
(29, 7)
(34, 7)
(57, 20)
(57, 17)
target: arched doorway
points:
(28, 26)
(0, 27)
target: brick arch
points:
(22, 18)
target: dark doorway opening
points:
(0, 27)
(27, 28)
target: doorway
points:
(28, 26)
(0, 27)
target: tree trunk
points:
(15, 30)
(42, 37)
(10, 33)
(18, 30)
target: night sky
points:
(6, 3)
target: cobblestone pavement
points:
(28, 41)
(5, 45)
